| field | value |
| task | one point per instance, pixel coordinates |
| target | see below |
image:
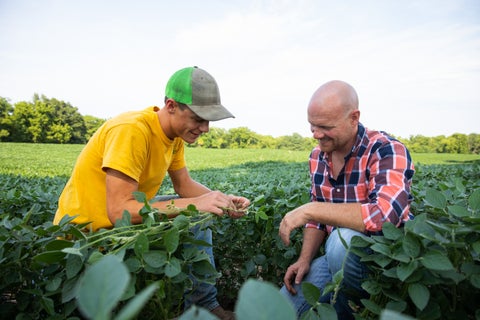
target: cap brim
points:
(212, 112)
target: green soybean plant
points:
(128, 270)
(430, 269)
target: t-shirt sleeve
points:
(125, 150)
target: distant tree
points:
(66, 116)
(420, 144)
(59, 133)
(295, 142)
(6, 110)
(460, 143)
(473, 141)
(22, 114)
(47, 121)
(51, 120)
(92, 124)
(242, 137)
(216, 138)
(267, 142)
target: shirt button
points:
(338, 190)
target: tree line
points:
(48, 120)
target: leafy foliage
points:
(429, 269)
(57, 270)
(44, 120)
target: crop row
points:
(430, 269)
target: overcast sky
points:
(414, 64)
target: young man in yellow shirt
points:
(135, 150)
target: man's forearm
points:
(347, 215)
(312, 240)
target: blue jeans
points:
(323, 268)
(203, 294)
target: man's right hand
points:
(214, 202)
(295, 274)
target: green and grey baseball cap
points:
(197, 89)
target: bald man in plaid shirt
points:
(361, 179)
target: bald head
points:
(336, 94)
(334, 117)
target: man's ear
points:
(355, 116)
(170, 105)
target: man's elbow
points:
(115, 214)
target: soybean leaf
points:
(391, 232)
(436, 260)
(435, 198)
(311, 293)
(381, 248)
(102, 287)
(398, 306)
(95, 257)
(124, 221)
(181, 221)
(141, 244)
(474, 200)
(171, 238)
(73, 266)
(75, 251)
(394, 315)
(133, 264)
(372, 306)
(203, 268)
(173, 267)
(54, 284)
(47, 304)
(362, 242)
(155, 258)
(135, 305)
(379, 259)
(50, 256)
(475, 280)
(411, 245)
(196, 312)
(476, 246)
(261, 300)
(140, 197)
(260, 215)
(372, 287)
(419, 295)
(69, 289)
(327, 311)
(404, 270)
(58, 244)
(458, 211)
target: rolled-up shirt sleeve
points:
(389, 197)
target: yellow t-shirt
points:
(132, 143)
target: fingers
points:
(239, 206)
(299, 276)
(240, 202)
(219, 203)
(287, 280)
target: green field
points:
(430, 264)
(30, 159)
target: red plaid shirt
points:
(377, 173)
